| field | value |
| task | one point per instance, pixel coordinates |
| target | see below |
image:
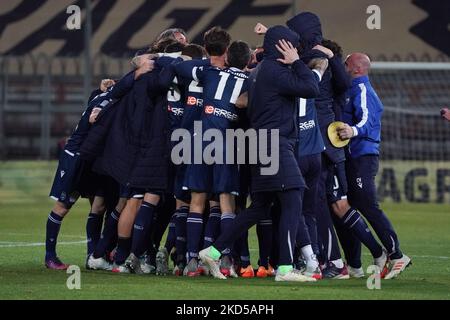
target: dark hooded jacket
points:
(135, 149)
(94, 144)
(335, 80)
(272, 106)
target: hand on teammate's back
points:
(137, 61)
(146, 65)
(290, 54)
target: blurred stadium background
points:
(46, 73)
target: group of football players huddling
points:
(124, 156)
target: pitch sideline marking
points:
(425, 257)
(38, 244)
(34, 234)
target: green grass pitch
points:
(423, 230)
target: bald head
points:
(357, 64)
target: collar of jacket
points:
(362, 79)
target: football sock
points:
(338, 263)
(310, 257)
(93, 230)
(350, 244)
(51, 237)
(245, 261)
(109, 234)
(180, 230)
(225, 221)
(142, 227)
(212, 229)
(123, 250)
(353, 221)
(194, 226)
(150, 257)
(171, 235)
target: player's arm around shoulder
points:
(191, 69)
(167, 74)
(97, 97)
(242, 101)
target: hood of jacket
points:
(307, 25)
(275, 34)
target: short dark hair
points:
(174, 47)
(194, 51)
(160, 46)
(333, 46)
(238, 55)
(216, 41)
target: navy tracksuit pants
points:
(328, 244)
(310, 166)
(362, 194)
(291, 221)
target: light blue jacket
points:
(363, 112)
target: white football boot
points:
(213, 265)
(396, 266)
(293, 275)
(99, 263)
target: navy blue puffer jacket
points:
(272, 106)
(137, 148)
(335, 80)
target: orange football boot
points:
(247, 272)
